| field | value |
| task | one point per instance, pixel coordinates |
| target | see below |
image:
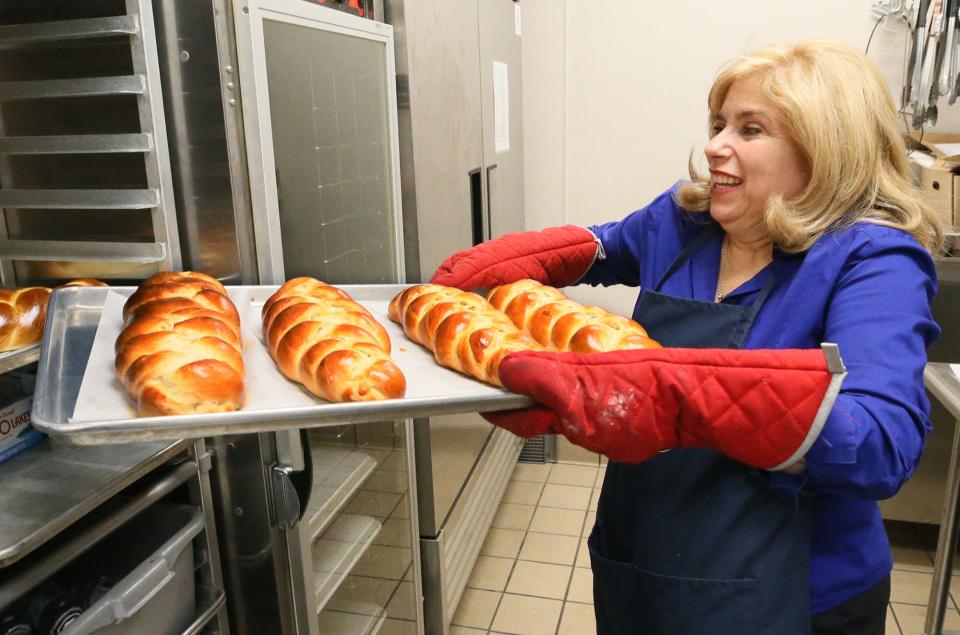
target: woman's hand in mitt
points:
(557, 256)
(762, 408)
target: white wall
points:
(615, 94)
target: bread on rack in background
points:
(561, 324)
(462, 329)
(24, 311)
(180, 351)
(321, 338)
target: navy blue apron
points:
(691, 542)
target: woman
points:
(807, 230)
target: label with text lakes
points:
(16, 433)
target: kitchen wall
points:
(615, 94)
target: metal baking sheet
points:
(17, 358)
(75, 315)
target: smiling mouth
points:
(720, 183)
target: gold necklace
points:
(720, 295)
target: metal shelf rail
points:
(63, 553)
(53, 485)
(68, 30)
(143, 83)
(338, 551)
(337, 474)
(18, 358)
(76, 144)
(91, 491)
(365, 619)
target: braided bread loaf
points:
(559, 323)
(464, 332)
(24, 311)
(321, 338)
(180, 351)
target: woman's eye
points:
(715, 129)
(752, 130)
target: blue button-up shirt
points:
(867, 288)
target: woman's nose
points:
(718, 147)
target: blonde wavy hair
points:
(840, 114)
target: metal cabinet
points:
(461, 153)
(327, 516)
(461, 125)
(338, 556)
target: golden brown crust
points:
(180, 351)
(464, 332)
(24, 311)
(85, 282)
(321, 338)
(183, 276)
(22, 314)
(561, 324)
(202, 290)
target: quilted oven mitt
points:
(764, 408)
(557, 256)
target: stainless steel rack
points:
(28, 189)
(60, 500)
(68, 30)
(17, 358)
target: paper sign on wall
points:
(501, 107)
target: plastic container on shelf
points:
(158, 596)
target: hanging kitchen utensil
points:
(955, 56)
(948, 51)
(926, 80)
(912, 91)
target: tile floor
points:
(533, 575)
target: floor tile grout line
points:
(571, 567)
(573, 570)
(572, 509)
(563, 609)
(526, 595)
(597, 477)
(896, 620)
(540, 597)
(549, 482)
(513, 566)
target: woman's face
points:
(752, 158)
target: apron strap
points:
(702, 239)
(743, 328)
(764, 294)
(698, 242)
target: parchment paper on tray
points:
(102, 398)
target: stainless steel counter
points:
(919, 499)
(944, 385)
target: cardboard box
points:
(16, 433)
(939, 172)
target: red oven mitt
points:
(558, 256)
(760, 407)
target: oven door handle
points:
(286, 499)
